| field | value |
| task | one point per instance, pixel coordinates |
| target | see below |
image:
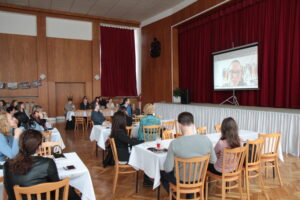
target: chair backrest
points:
(218, 128)
(151, 132)
(47, 136)
(177, 129)
(44, 188)
(129, 131)
(169, 125)
(202, 130)
(191, 172)
(46, 148)
(233, 160)
(167, 134)
(79, 113)
(254, 152)
(271, 143)
(114, 151)
(137, 118)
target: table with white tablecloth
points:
(79, 177)
(152, 163)
(56, 137)
(100, 133)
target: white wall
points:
(68, 29)
(20, 24)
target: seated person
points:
(122, 140)
(84, 105)
(13, 103)
(3, 106)
(110, 104)
(96, 100)
(102, 102)
(126, 104)
(189, 145)
(11, 110)
(69, 106)
(21, 107)
(128, 119)
(148, 120)
(8, 144)
(229, 139)
(28, 170)
(97, 116)
(37, 121)
(22, 120)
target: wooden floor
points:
(78, 141)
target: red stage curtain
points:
(275, 24)
(118, 76)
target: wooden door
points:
(64, 90)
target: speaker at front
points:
(185, 97)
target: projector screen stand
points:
(232, 100)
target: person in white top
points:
(110, 104)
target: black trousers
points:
(212, 169)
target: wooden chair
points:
(121, 168)
(4, 195)
(169, 125)
(129, 131)
(252, 167)
(79, 120)
(233, 160)
(47, 136)
(44, 188)
(167, 134)
(269, 157)
(151, 132)
(190, 177)
(202, 130)
(89, 121)
(47, 148)
(177, 129)
(137, 118)
(218, 128)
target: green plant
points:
(177, 92)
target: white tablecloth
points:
(263, 120)
(100, 134)
(56, 137)
(79, 177)
(151, 163)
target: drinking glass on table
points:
(158, 142)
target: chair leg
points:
(261, 180)
(278, 172)
(240, 187)
(96, 149)
(115, 181)
(206, 188)
(137, 182)
(223, 189)
(247, 185)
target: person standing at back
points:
(188, 146)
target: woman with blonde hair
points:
(148, 120)
(8, 143)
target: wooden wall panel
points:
(18, 63)
(96, 59)
(158, 75)
(69, 60)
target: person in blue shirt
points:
(9, 145)
(126, 104)
(148, 120)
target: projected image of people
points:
(235, 74)
(236, 69)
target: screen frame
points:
(235, 49)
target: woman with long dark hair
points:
(2, 106)
(119, 133)
(28, 170)
(22, 120)
(229, 139)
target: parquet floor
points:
(79, 142)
